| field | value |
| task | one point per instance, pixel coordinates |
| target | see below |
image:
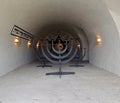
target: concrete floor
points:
(29, 84)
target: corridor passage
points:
(29, 84)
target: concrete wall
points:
(107, 55)
(11, 57)
(116, 18)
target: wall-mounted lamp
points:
(17, 41)
(19, 34)
(98, 39)
(79, 46)
(38, 44)
(29, 43)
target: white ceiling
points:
(113, 5)
(35, 14)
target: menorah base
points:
(44, 66)
(76, 65)
(60, 73)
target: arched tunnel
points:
(83, 21)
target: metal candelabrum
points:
(64, 53)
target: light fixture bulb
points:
(38, 44)
(17, 41)
(78, 45)
(98, 39)
(29, 43)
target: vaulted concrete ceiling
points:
(113, 5)
(36, 14)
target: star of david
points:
(58, 40)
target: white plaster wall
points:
(114, 9)
(107, 55)
(116, 18)
(11, 57)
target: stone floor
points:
(29, 84)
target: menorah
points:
(59, 52)
(41, 58)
